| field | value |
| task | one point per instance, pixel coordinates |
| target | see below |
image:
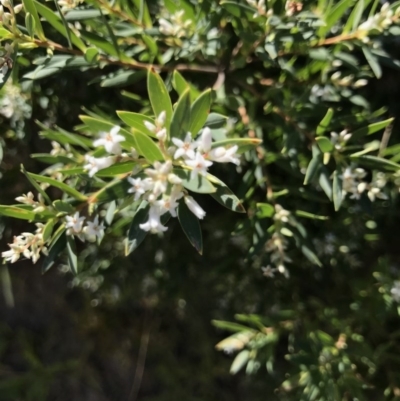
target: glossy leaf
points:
(136, 235)
(116, 169)
(190, 226)
(147, 147)
(136, 121)
(324, 144)
(159, 97)
(30, 8)
(72, 254)
(58, 245)
(199, 112)
(200, 185)
(180, 123)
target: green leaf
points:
(312, 169)
(240, 360)
(66, 138)
(116, 169)
(30, 24)
(230, 326)
(159, 97)
(324, 144)
(65, 23)
(136, 121)
(199, 112)
(58, 245)
(372, 61)
(333, 15)
(200, 185)
(123, 78)
(376, 162)
(79, 15)
(48, 229)
(337, 190)
(36, 185)
(136, 235)
(238, 10)
(310, 255)
(307, 215)
(324, 124)
(225, 196)
(190, 226)
(179, 83)
(265, 210)
(180, 122)
(100, 43)
(63, 207)
(60, 185)
(215, 120)
(147, 147)
(243, 144)
(371, 128)
(72, 254)
(16, 212)
(57, 24)
(116, 189)
(355, 16)
(91, 54)
(30, 8)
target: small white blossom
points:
(140, 186)
(205, 140)
(268, 271)
(94, 164)
(199, 165)
(281, 214)
(154, 224)
(94, 229)
(194, 207)
(186, 148)
(27, 199)
(162, 134)
(74, 224)
(110, 141)
(223, 155)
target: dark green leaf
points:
(58, 245)
(180, 122)
(72, 254)
(324, 124)
(136, 235)
(199, 112)
(191, 226)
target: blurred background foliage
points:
(138, 327)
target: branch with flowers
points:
(151, 166)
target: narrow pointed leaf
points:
(190, 226)
(136, 235)
(147, 147)
(29, 7)
(159, 97)
(337, 190)
(72, 254)
(58, 245)
(180, 123)
(199, 112)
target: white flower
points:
(139, 186)
(281, 214)
(74, 224)
(165, 27)
(154, 224)
(223, 155)
(185, 148)
(205, 140)
(268, 271)
(194, 207)
(13, 254)
(199, 165)
(110, 141)
(27, 199)
(94, 164)
(94, 229)
(161, 175)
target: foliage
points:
(292, 94)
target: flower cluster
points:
(259, 6)
(277, 245)
(27, 244)
(379, 21)
(158, 185)
(176, 25)
(353, 184)
(348, 80)
(68, 4)
(92, 229)
(340, 140)
(29, 199)
(7, 18)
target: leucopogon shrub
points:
(289, 107)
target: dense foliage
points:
(136, 112)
